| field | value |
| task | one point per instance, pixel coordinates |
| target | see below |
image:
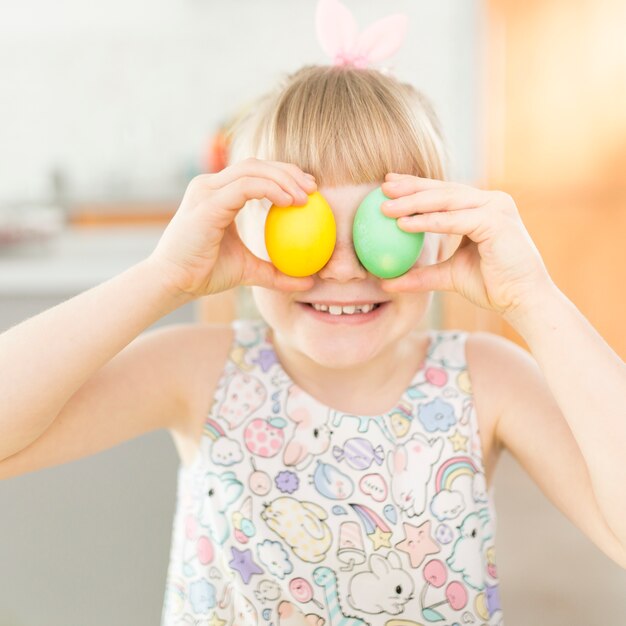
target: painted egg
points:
(301, 239)
(383, 248)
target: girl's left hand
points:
(496, 265)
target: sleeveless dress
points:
(297, 514)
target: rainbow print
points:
(405, 409)
(212, 429)
(370, 518)
(453, 468)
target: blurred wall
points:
(121, 97)
(555, 136)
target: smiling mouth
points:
(337, 310)
(349, 309)
(346, 311)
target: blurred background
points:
(106, 112)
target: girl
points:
(336, 462)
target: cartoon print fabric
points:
(296, 514)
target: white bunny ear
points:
(336, 27)
(393, 560)
(383, 38)
(379, 565)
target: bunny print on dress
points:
(384, 573)
(301, 525)
(314, 517)
(410, 466)
(311, 435)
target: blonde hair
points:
(346, 126)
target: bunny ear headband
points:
(339, 36)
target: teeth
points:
(348, 309)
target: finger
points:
(294, 169)
(289, 176)
(470, 222)
(426, 278)
(234, 195)
(430, 200)
(409, 181)
(264, 274)
(253, 165)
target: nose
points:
(343, 265)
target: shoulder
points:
(193, 345)
(493, 363)
(499, 369)
(198, 353)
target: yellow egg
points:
(301, 239)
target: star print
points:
(458, 441)
(418, 543)
(216, 621)
(242, 562)
(266, 359)
(380, 538)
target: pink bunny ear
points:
(294, 453)
(383, 38)
(336, 27)
(400, 459)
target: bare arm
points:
(498, 267)
(45, 359)
(588, 381)
(531, 426)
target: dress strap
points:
(448, 349)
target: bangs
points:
(345, 126)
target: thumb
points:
(264, 274)
(426, 278)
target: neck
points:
(372, 387)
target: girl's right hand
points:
(200, 251)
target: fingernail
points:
(390, 204)
(393, 184)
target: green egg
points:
(383, 248)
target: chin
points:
(339, 349)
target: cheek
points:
(412, 306)
(251, 227)
(428, 256)
(259, 248)
(270, 304)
